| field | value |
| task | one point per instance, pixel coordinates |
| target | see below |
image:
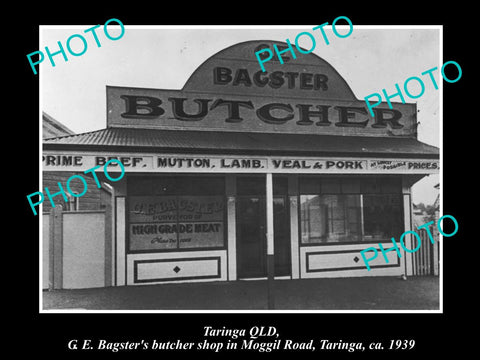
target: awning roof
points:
(219, 142)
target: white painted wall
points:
(340, 260)
(45, 249)
(83, 250)
(155, 268)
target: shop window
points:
(383, 215)
(175, 216)
(330, 218)
(350, 210)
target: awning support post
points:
(270, 250)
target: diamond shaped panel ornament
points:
(176, 269)
(356, 259)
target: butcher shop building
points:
(242, 171)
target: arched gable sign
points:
(229, 92)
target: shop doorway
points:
(281, 239)
(251, 241)
(251, 232)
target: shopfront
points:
(241, 168)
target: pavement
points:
(367, 293)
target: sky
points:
(370, 59)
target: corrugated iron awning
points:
(219, 142)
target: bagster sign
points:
(229, 93)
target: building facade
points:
(244, 172)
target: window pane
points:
(383, 216)
(343, 218)
(152, 222)
(164, 213)
(328, 215)
(203, 217)
(330, 218)
(159, 222)
(313, 219)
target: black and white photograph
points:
(257, 168)
(201, 187)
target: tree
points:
(421, 206)
(430, 210)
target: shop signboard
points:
(229, 92)
(175, 222)
(180, 163)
